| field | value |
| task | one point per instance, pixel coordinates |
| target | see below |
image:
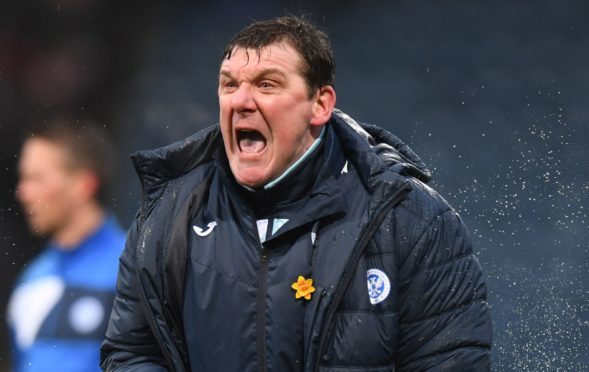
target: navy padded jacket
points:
(433, 315)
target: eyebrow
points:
(263, 73)
(271, 71)
(226, 74)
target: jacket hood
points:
(155, 167)
(392, 151)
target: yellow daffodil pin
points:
(304, 288)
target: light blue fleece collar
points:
(294, 166)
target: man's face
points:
(45, 188)
(266, 115)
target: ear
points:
(324, 102)
(87, 184)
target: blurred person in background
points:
(292, 238)
(59, 309)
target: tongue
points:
(251, 142)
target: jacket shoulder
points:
(423, 202)
(422, 231)
(170, 167)
(158, 166)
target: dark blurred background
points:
(493, 95)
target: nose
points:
(242, 99)
(23, 191)
(19, 191)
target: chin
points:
(252, 184)
(251, 180)
(38, 231)
(249, 176)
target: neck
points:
(297, 164)
(83, 222)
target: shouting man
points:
(292, 238)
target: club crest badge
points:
(379, 286)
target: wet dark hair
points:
(86, 144)
(312, 44)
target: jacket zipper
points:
(352, 263)
(261, 309)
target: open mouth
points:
(250, 141)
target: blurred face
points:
(45, 188)
(266, 115)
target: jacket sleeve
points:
(445, 322)
(130, 344)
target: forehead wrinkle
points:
(245, 50)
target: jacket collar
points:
(309, 194)
(156, 167)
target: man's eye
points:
(228, 86)
(266, 84)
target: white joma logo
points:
(200, 232)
